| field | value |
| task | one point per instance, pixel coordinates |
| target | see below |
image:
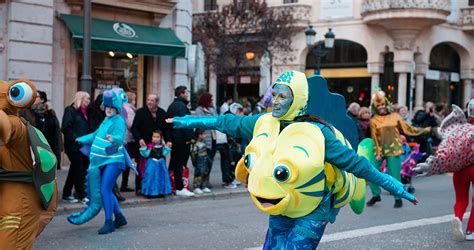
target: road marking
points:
(361, 232)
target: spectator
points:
(225, 106)
(259, 107)
(353, 112)
(47, 122)
(147, 119)
(205, 108)
(181, 139)
(364, 121)
(426, 118)
(200, 161)
(76, 123)
(403, 112)
(130, 144)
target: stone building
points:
(415, 50)
(139, 45)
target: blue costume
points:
(295, 229)
(107, 160)
(156, 180)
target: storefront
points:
(345, 69)
(122, 52)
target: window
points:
(471, 3)
(210, 5)
(290, 1)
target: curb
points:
(64, 208)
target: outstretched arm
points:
(233, 125)
(5, 128)
(346, 159)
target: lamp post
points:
(86, 78)
(320, 50)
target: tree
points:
(241, 26)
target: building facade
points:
(139, 45)
(414, 50)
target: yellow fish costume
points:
(299, 168)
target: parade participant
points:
(28, 189)
(455, 154)
(385, 127)
(155, 181)
(107, 160)
(301, 194)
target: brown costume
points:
(22, 217)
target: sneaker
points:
(198, 191)
(458, 234)
(469, 235)
(398, 204)
(230, 186)
(373, 200)
(71, 199)
(236, 182)
(84, 201)
(206, 190)
(184, 192)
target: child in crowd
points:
(156, 181)
(200, 161)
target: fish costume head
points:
(115, 98)
(19, 94)
(297, 83)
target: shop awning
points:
(126, 37)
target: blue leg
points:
(110, 174)
(278, 229)
(306, 234)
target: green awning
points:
(126, 37)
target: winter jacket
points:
(73, 126)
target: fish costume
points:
(299, 171)
(108, 158)
(28, 187)
(455, 154)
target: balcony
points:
(301, 13)
(405, 13)
(467, 19)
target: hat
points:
(234, 107)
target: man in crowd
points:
(148, 119)
(181, 139)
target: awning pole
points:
(86, 78)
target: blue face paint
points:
(282, 98)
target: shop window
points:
(290, 1)
(109, 70)
(344, 54)
(210, 5)
(471, 2)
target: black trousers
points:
(132, 149)
(179, 159)
(76, 177)
(223, 149)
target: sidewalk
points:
(132, 200)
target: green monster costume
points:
(387, 143)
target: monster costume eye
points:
(249, 160)
(20, 94)
(124, 97)
(281, 173)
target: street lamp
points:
(321, 49)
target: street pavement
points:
(233, 222)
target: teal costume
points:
(107, 161)
(304, 231)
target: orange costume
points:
(22, 216)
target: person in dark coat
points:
(353, 112)
(148, 119)
(426, 118)
(47, 122)
(181, 139)
(76, 123)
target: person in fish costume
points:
(455, 154)
(299, 169)
(108, 159)
(28, 188)
(385, 128)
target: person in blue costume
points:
(289, 107)
(107, 160)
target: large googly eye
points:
(124, 97)
(249, 160)
(21, 94)
(281, 173)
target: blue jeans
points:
(110, 173)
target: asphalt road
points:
(235, 223)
